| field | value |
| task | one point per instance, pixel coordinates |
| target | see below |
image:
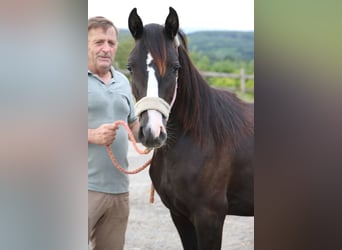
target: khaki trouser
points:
(107, 220)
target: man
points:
(109, 100)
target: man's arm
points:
(103, 135)
(134, 126)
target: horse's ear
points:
(135, 24)
(171, 24)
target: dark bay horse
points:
(202, 166)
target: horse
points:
(203, 137)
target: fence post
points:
(243, 81)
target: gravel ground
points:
(150, 226)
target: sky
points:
(235, 15)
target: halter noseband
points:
(156, 103)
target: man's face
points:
(102, 46)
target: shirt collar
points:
(112, 70)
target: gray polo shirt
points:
(106, 104)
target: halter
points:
(158, 103)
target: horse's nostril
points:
(162, 136)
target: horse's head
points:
(153, 64)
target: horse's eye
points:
(176, 67)
(129, 68)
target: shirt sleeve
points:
(131, 117)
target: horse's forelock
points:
(155, 43)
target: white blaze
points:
(155, 118)
(152, 83)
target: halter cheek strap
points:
(177, 41)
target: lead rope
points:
(140, 151)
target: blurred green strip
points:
(306, 33)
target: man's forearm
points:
(134, 126)
(91, 137)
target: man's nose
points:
(106, 47)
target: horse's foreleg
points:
(209, 227)
(186, 231)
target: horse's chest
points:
(172, 180)
(171, 192)
(168, 179)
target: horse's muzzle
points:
(148, 138)
(152, 132)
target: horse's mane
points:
(205, 111)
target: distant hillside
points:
(223, 45)
(210, 51)
(123, 34)
(216, 45)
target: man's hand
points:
(103, 135)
